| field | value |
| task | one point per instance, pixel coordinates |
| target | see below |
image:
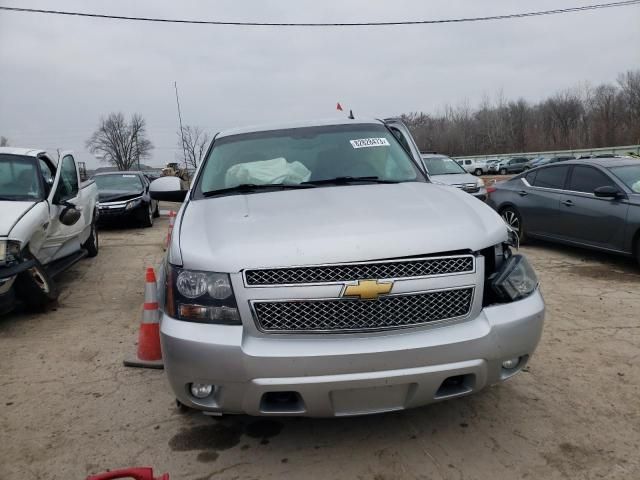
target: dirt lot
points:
(69, 407)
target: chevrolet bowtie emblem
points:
(367, 289)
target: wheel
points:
(156, 212)
(92, 243)
(147, 216)
(503, 171)
(512, 217)
(638, 250)
(527, 168)
(36, 288)
(478, 172)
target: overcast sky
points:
(58, 75)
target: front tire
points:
(92, 244)
(147, 219)
(36, 288)
(503, 171)
(478, 172)
(512, 217)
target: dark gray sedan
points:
(593, 203)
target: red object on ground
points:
(137, 473)
(339, 107)
(149, 351)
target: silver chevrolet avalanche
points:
(315, 270)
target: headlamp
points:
(197, 296)
(515, 280)
(10, 252)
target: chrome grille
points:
(346, 272)
(344, 315)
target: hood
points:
(117, 195)
(10, 213)
(333, 224)
(455, 179)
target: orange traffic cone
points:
(172, 221)
(149, 351)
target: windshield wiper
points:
(251, 187)
(347, 181)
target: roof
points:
(27, 152)
(604, 162)
(299, 124)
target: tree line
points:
(581, 117)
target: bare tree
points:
(630, 91)
(4, 142)
(581, 117)
(122, 144)
(196, 142)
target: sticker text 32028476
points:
(369, 142)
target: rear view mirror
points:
(69, 216)
(607, 191)
(168, 189)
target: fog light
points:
(511, 363)
(201, 390)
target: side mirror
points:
(607, 191)
(168, 189)
(69, 216)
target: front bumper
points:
(348, 374)
(113, 215)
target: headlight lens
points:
(198, 296)
(515, 280)
(132, 204)
(480, 183)
(10, 252)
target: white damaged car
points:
(47, 223)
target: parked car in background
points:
(314, 270)
(593, 203)
(124, 197)
(446, 171)
(512, 165)
(473, 165)
(47, 223)
(534, 162)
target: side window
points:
(400, 137)
(68, 185)
(467, 162)
(552, 177)
(47, 175)
(587, 179)
(531, 177)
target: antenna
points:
(184, 150)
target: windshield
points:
(312, 154)
(19, 178)
(122, 182)
(442, 166)
(630, 176)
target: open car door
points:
(401, 132)
(66, 215)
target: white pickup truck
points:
(47, 223)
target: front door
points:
(63, 240)
(588, 219)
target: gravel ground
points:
(69, 408)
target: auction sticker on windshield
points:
(369, 142)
